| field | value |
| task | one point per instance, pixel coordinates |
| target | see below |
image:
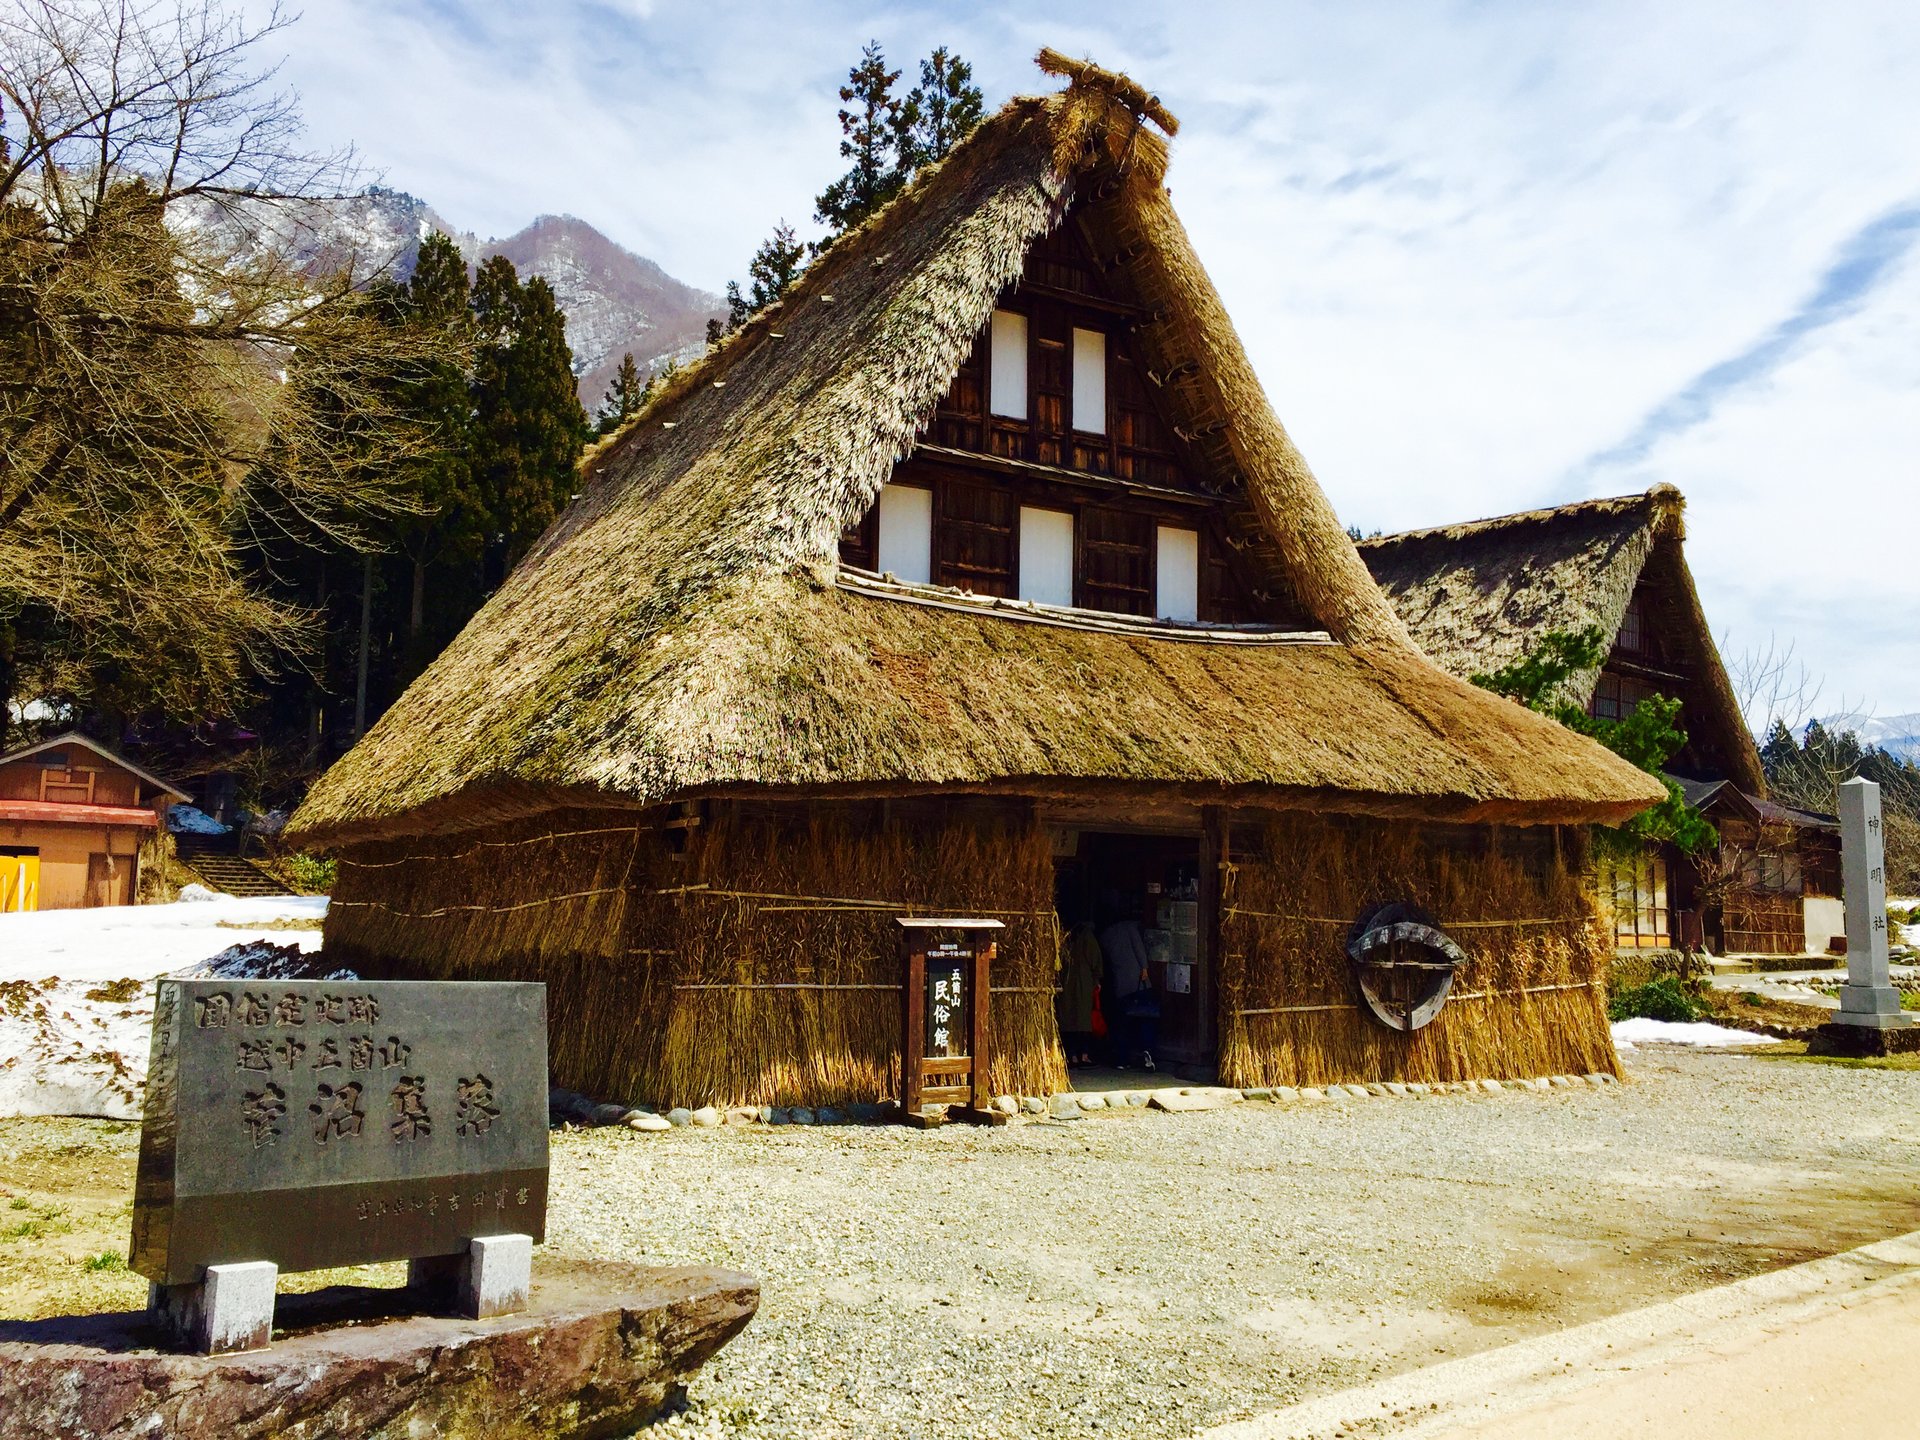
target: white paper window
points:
(906, 533)
(1090, 381)
(1046, 556)
(1177, 593)
(1007, 386)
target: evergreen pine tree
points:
(623, 397)
(1780, 751)
(939, 112)
(529, 424)
(450, 521)
(870, 137)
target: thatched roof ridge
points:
(628, 655)
(1479, 595)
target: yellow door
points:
(19, 882)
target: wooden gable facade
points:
(1661, 648)
(1027, 437)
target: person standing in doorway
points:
(1128, 992)
(1080, 967)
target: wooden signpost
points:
(944, 1011)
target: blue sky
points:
(1484, 256)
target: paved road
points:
(1811, 1350)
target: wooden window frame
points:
(1646, 921)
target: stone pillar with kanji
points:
(1868, 999)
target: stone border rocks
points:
(570, 1110)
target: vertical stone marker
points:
(1869, 1004)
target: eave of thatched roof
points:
(1479, 595)
(678, 631)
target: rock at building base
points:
(1182, 1101)
(600, 1350)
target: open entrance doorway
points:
(1139, 899)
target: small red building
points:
(73, 818)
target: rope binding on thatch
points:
(1470, 995)
(831, 902)
(1448, 925)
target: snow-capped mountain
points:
(1898, 735)
(615, 301)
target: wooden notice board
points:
(945, 1005)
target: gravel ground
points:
(1143, 1274)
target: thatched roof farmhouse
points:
(1479, 595)
(977, 574)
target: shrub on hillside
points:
(1664, 998)
(310, 873)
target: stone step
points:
(234, 876)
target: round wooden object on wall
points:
(1403, 963)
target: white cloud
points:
(1469, 248)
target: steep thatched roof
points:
(1479, 595)
(680, 629)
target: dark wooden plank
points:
(913, 1045)
(982, 1002)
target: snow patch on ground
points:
(76, 989)
(1642, 1031)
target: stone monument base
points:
(600, 1350)
(1864, 1040)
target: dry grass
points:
(1285, 914)
(762, 1005)
(1478, 596)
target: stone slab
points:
(600, 1350)
(229, 1311)
(1182, 1101)
(314, 1123)
(1863, 1040)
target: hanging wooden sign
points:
(946, 1001)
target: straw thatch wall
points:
(749, 957)
(786, 960)
(1532, 1002)
(545, 898)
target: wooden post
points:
(983, 957)
(1215, 856)
(913, 1036)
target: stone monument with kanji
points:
(1870, 1020)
